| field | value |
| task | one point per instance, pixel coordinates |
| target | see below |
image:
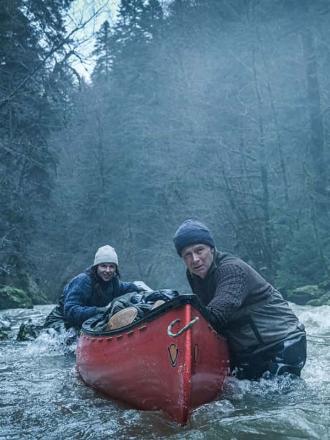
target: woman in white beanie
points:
(90, 292)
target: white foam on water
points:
(315, 319)
(218, 409)
(50, 341)
(265, 388)
(44, 396)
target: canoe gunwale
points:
(88, 327)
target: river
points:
(42, 397)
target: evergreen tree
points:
(30, 33)
(206, 112)
(102, 52)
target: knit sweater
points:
(247, 309)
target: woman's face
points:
(106, 271)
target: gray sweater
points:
(248, 310)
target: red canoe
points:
(172, 360)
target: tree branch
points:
(52, 51)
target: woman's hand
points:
(142, 287)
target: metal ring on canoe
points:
(185, 328)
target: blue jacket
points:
(85, 293)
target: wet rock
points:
(12, 298)
(313, 294)
(28, 331)
(301, 295)
(324, 300)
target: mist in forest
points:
(212, 109)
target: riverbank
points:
(310, 295)
(11, 297)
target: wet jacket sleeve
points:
(231, 291)
(125, 287)
(77, 295)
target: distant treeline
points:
(212, 109)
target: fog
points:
(217, 110)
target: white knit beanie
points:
(105, 254)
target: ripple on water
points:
(42, 397)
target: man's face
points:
(198, 258)
(106, 271)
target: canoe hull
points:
(148, 369)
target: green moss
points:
(301, 295)
(12, 298)
(312, 295)
(324, 300)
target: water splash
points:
(316, 319)
(51, 341)
(42, 396)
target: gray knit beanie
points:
(192, 232)
(105, 254)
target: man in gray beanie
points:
(263, 333)
(92, 291)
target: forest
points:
(211, 109)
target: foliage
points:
(302, 260)
(212, 109)
(198, 112)
(32, 36)
(12, 298)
